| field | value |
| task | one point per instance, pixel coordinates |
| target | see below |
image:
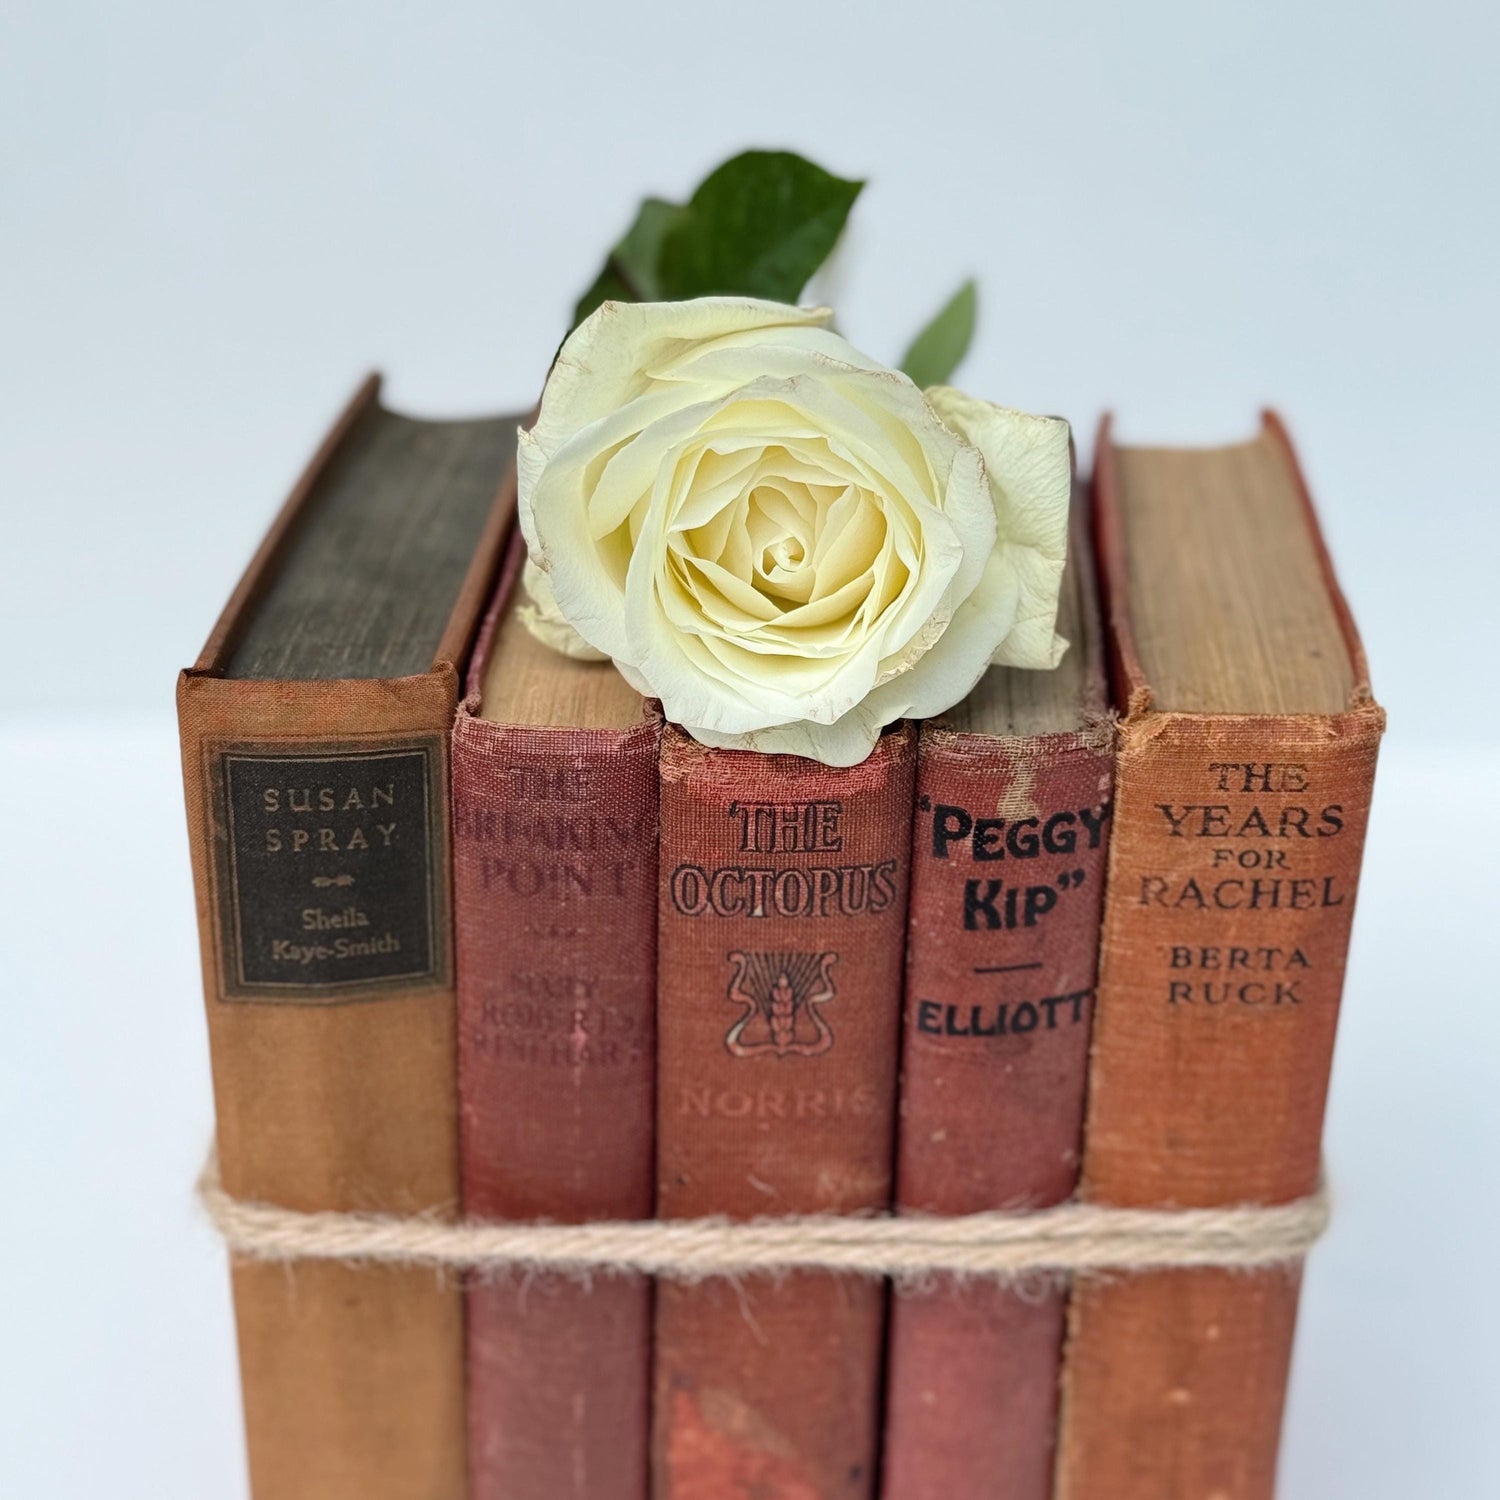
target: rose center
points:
(787, 552)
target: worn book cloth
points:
(1009, 840)
(1247, 756)
(314, 733)
(782, 906)
(555, 831)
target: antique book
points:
(554, 825)
(1247, 754)
(782, 919)
(1008, 848)
(315, 730)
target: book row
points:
(482, 935)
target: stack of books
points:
(483, 937)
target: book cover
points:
(314, 730)
(782, 917)
(555, 831)
(1243, 784)
(1009, 839)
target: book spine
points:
(1232, 880)
(1008, 852)
(318, 822)
(555, 904)
(782, 918)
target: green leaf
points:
(939, 349)
(629, 273)
(758, 226)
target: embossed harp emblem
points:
(783, 995)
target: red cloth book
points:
(782, 919)
(1008, 854)
(554, 823)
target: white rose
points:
(787, 543)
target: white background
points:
(214, 218)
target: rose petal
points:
(541, 616)
(1030, 468)
(606, 361)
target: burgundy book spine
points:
(1009, 844)
(782, 920)
(555, 904)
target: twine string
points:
(1077, 1238)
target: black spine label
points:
(332, 864)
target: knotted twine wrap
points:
(1077, 1238)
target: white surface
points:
(213, 218)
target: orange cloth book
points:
(1242, 790)
(314, 730)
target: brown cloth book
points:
(1243, 785)
(1008, 848)
(315, 759)
(782, 918)
(554, 825)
